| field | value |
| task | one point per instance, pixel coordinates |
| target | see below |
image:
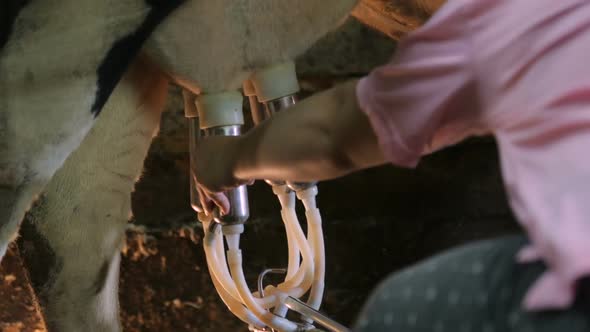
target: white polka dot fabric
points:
(473, 288)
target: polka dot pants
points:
(474, 288)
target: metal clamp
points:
(307, 311)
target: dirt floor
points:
(18, 311)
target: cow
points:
(82, 86)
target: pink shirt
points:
(519, 69)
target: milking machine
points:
(270, 90)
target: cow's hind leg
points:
(72, 237)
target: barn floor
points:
(375, 222)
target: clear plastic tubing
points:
(302, 279)
(316, 237)
(235, 306)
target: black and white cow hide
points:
(66, 65)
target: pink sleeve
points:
(546, 168)
(425, 98)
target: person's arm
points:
(322, 137)
(425, 98)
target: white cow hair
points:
(86, 230)
(48, 85)
(253, 35)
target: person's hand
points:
(213, 168)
